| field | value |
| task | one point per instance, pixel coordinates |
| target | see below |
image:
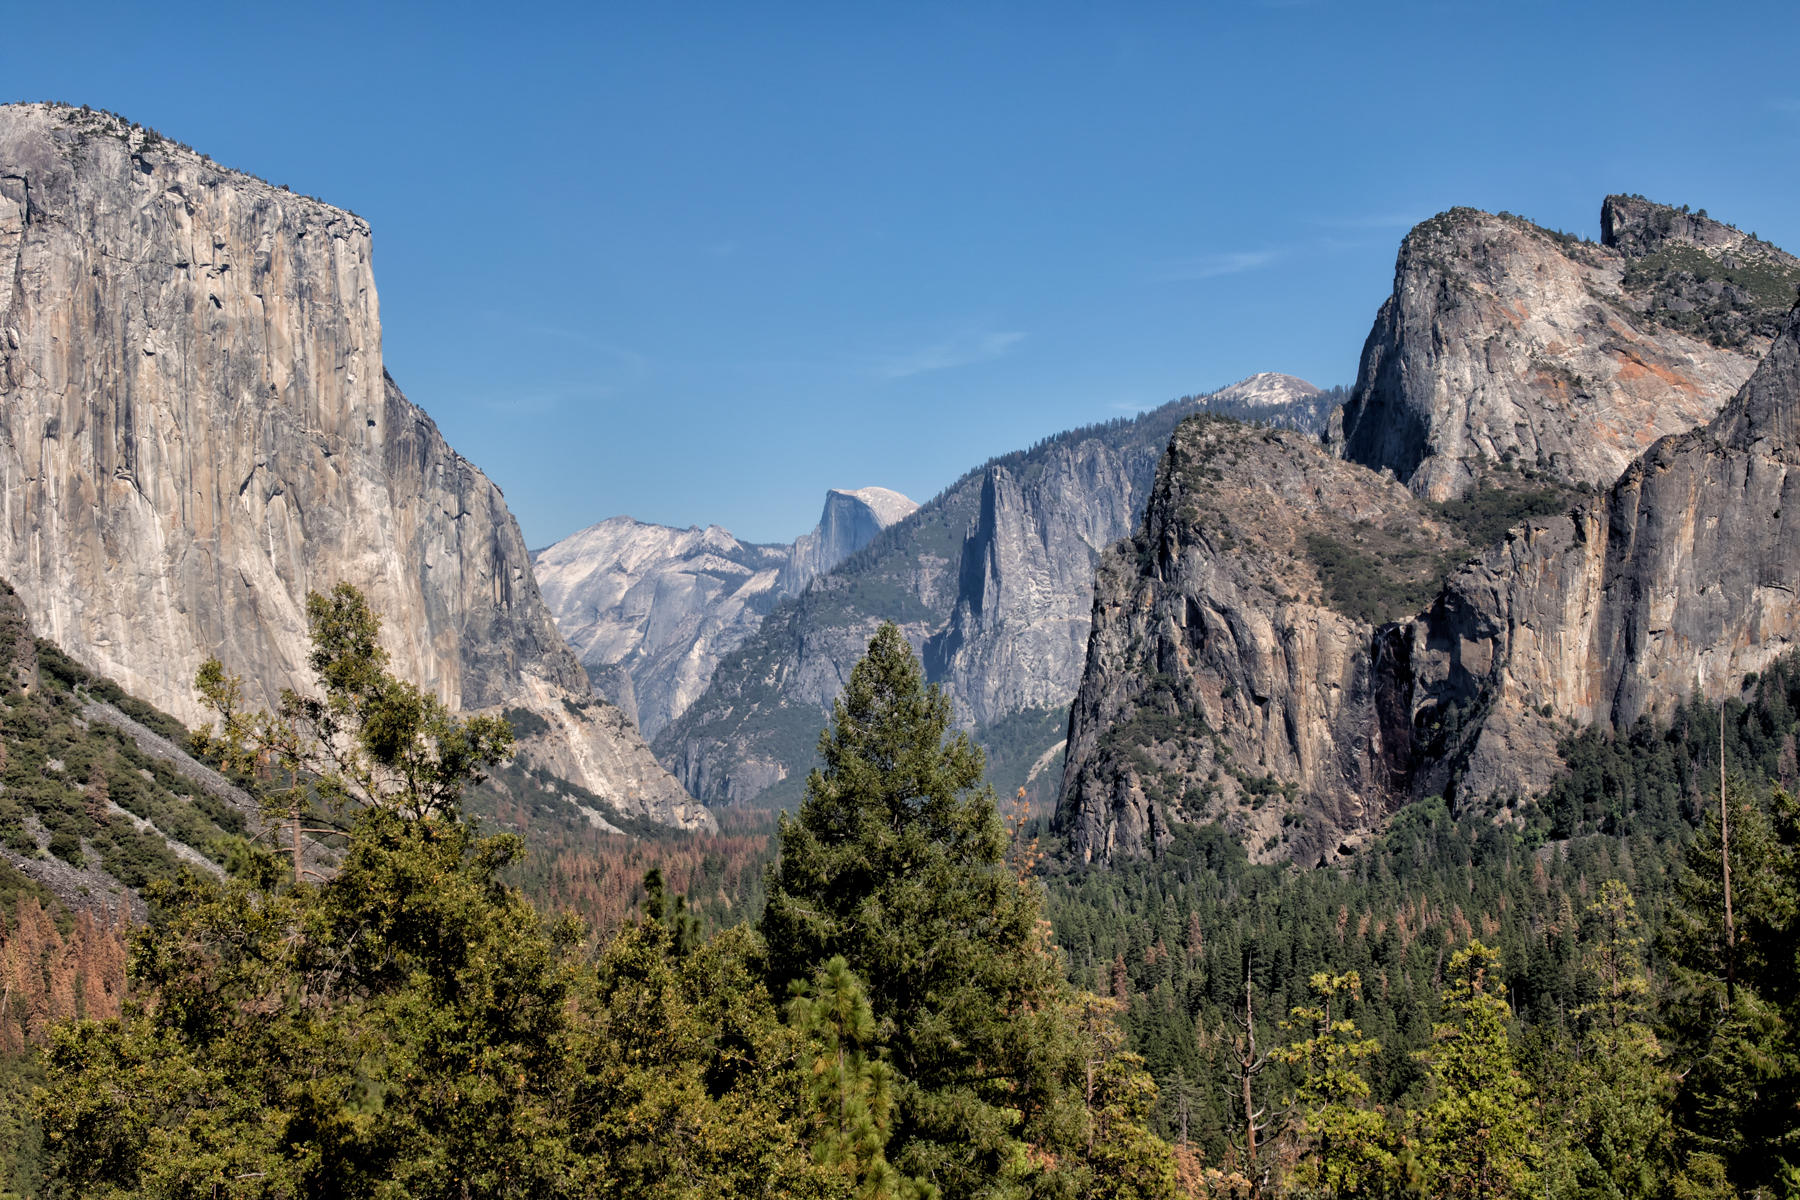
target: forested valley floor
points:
(1553, 1003)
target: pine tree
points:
(1732, 1007)
(851, 1089)
(1616, 1100)
(896, 861)
(1346, 1146)
(1476, 1136)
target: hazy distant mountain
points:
(992, 580)
(1268, 398)
(651, 609)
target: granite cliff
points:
(1507, 343)
(1275, 649)
(650, 610)
(198, 429)
(992, 580)
(1231, 672)
(1679, 580)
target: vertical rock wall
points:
(196, 429)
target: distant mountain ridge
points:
(991, 580)
(651, 609)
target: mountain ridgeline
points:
(651, 610)
(1294, 645)
(198, 431)
(991, 581)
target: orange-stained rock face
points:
(1680, 580)
(1505, 342)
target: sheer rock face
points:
(1680, 580)
(1221, 683)
(1024, 596)
(651, 610)
(198, 430)
(1503, 341)
(1214, 673)
(850, 521)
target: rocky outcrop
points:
(198, 430)
(850, 521)
(651, 610)
(1236, 674)
(991, 580)
(1507, 343)
(1232, 670)
(1678, 581)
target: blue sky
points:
(698, 263)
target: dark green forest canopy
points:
(688, 1026)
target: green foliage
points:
(524, 723)
(368, 739)
(1734, 1008)
(686, 1083)
(896, 863)
(394, 1031)
(1727, 300)
(1346, 1146)
(65, 773)
(1617, 1095)
(1497, 504)
(851, 1088)
(1476, 1135)
(1383, 576)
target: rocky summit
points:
(1506, 343)
(1229, 675)
(1274, 650)
(199, 430)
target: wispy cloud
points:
(541, 402)
(1211, 266)
(1388, 220)
(960, 351)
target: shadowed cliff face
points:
(198, 431)
(1225, 679)
(1229, 678)
(1503, 342)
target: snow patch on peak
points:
(1266, 389)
